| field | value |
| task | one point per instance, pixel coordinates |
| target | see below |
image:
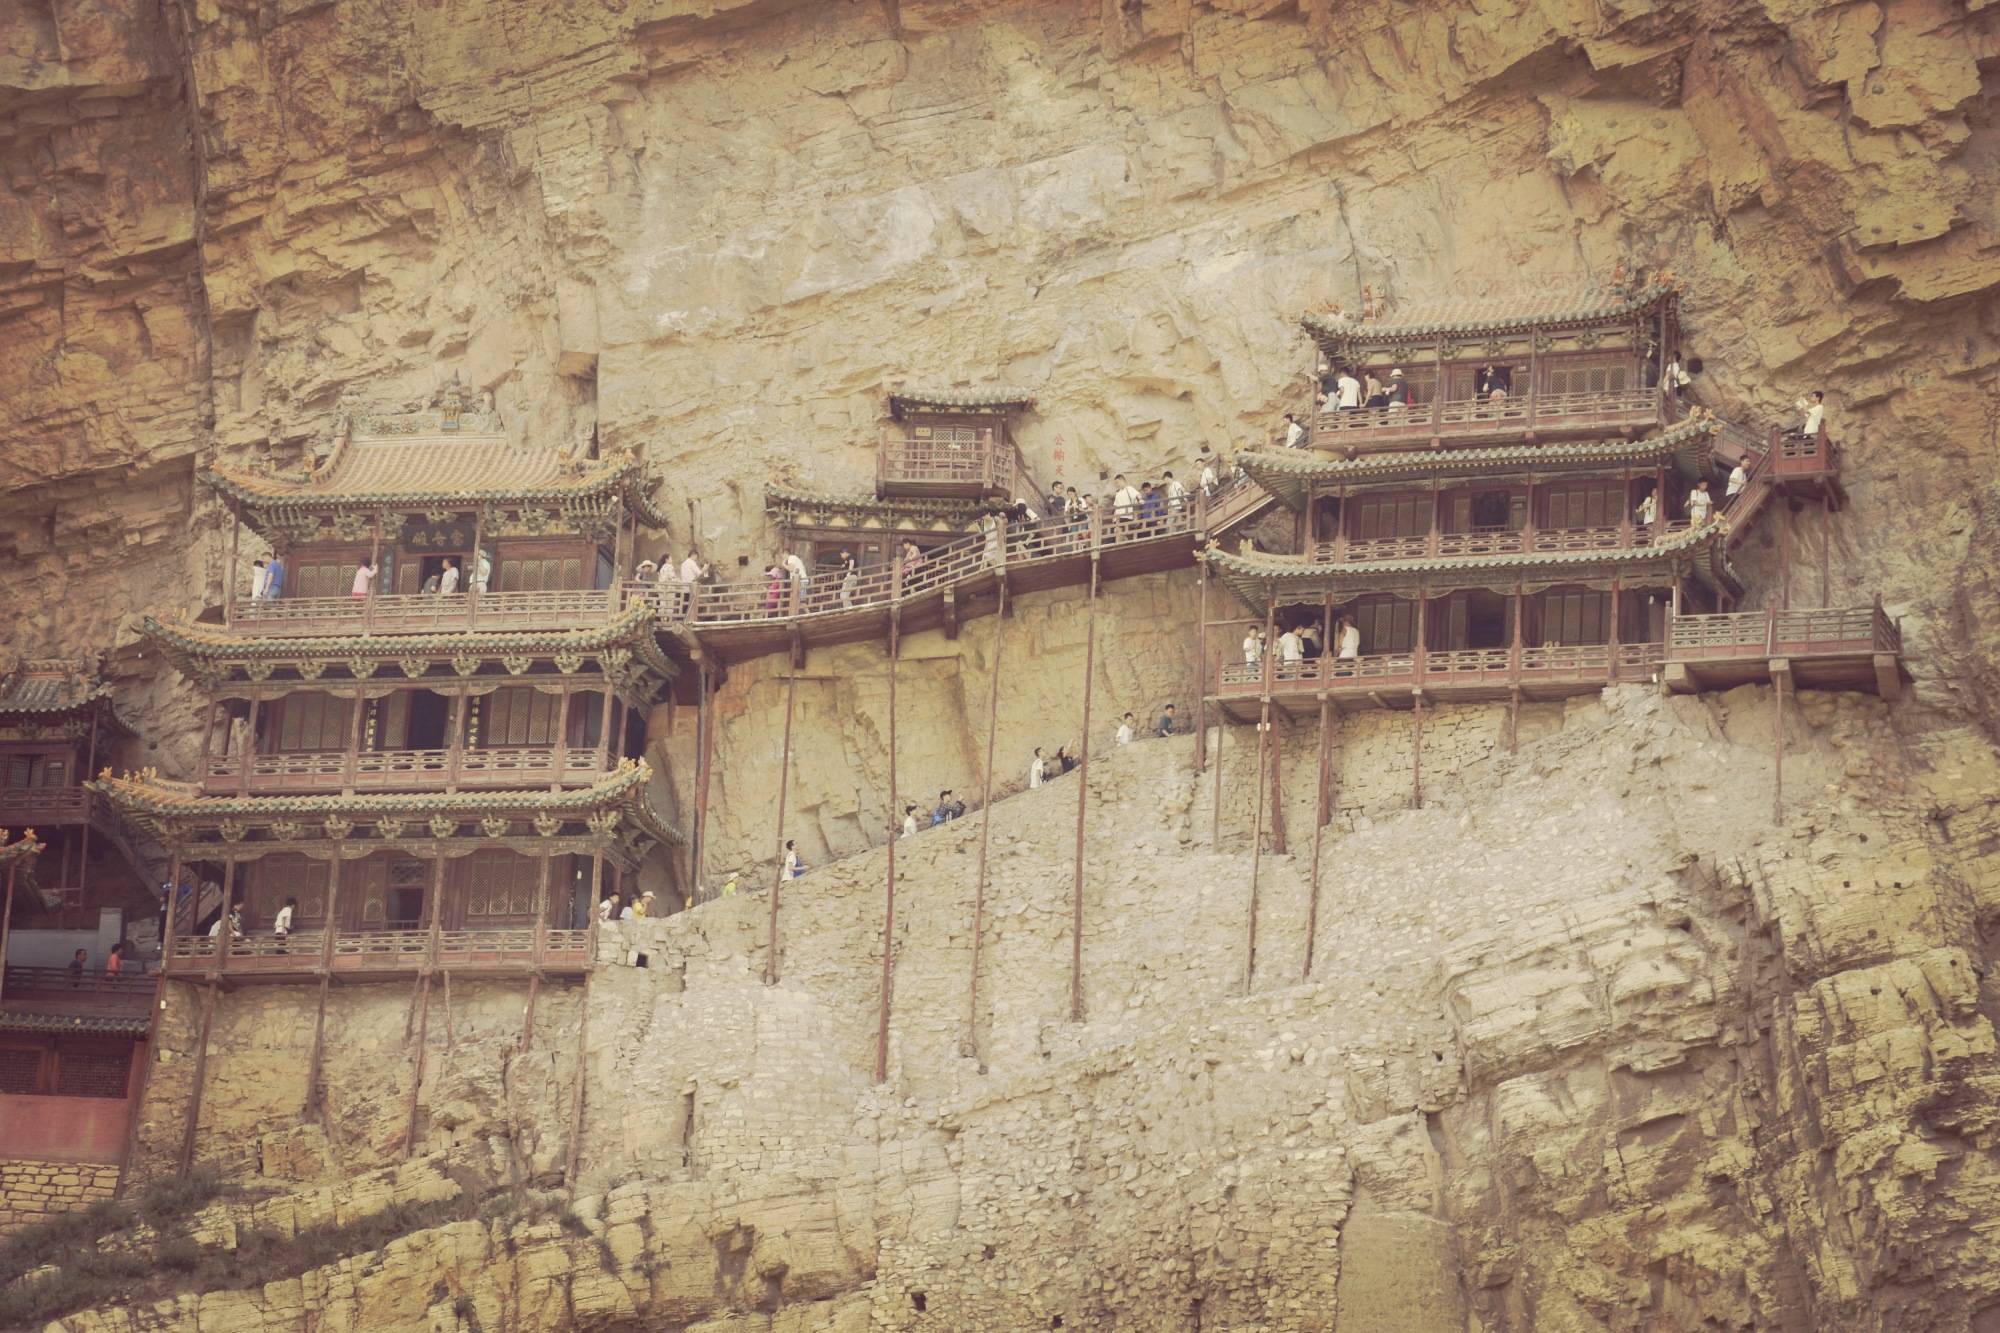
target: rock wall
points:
(32, 1192)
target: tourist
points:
(1295, 434)
(1649, 509)
(1289, 648)
(1176, 494)
(1058, 499)
(80, 959)
(1350, 639)
(1739, 477)
(1253, 646)
(281, 925)
(448, 581)
(644, 908)
(260, 580)
(364, 578)
(1399, 392)
(913, 560)
(774, 588)
(1208, 481)
(114, 962)
(801, 577)
(1347, 390)
(431, 585)
(482, 571)
(995, 547)
(1124, 501)
(850, 578)
(1125, 730)
(692, 570)
(630, 912)
(1814, 408)
(1375, 393)
(1152, 504)
(729, 886)
(1168, 726)
(274, 578)
(910, 820)
(794, 867)
(643, 572)
(1065, 761)
(1038, 770)
(1699, 503)
(1309, 638)
(608, 909)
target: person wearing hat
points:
(1399, 389)
(644, 907)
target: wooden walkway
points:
(382, 955)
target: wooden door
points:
(1377, 516)
(1572, 616)
(1387, 624)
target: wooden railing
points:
(978, 465)
(25, 807)
(392, 949)
(1447, 418)
(1775, 633)
(397, 770)
(827, 593)
(129, 992)
(1488, 541)
(399, 613)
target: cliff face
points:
(1593, 1045)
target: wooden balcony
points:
(1841, 648)
(962, 464)
(53, 990)
(1493, 541)
(383, 954)
(43, 807)
(1472, 421)
(401, 770)
(399, 613)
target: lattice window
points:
(541, 574)
(87, 1073)
(500, 884)
(519, 716)
(1597, 377)
(20, 1069)
(308, 722)
(1575, 616)
(319, 579)
(1584, 505)
(1390, 516)
(276, 878)
(960, 435)
(1387, 624)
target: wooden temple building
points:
(1495, 546)
(441, 780)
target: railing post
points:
(1770, 631)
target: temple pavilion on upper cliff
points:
(438, 767)
(1519, 523)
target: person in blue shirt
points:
(274, 581)
(1152, 503)
(1167, 727)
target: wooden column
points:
(1323, 818)
(229, 580)
(604, 749)
(7, 913)
(374, 584)
(1277, 793)
(455, 739)
(1221, 730)
(1659, 504)
(350, 771)
(472, 572)
(173, 912)
(328, 925)
(1082, 799)
(1340, 529)
(225, 937)
(562, 732)
(1784, 551)
(582, 1052)
(90, 768)
(540, 947)
(784, 785)
(705, 743)
(244, 759)
(1417, 753)
(1825, 550)
(1528, 517)
(424, 999)
(1267, 660)
(884, 997)
(200, 1077)
(971, 1046)
(1256, 849)
(1781, 677)
(1611, 670)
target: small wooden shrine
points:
(952, 444)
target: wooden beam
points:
(1201, 656)
(1781, 680)
(576, 1083)
(327, 926)
(200, 1075)
(1417, 752)
(971, 1043)
(1278, 792)
(1256, 851)
(1888, 676)
(778, 877)
(1083, 784)
(884, 992)
(1323, 817)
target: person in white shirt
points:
(1176, 493)
(793, 866)
(1699, 503)
(1649, 509)
(448, 581)
(1124, 501)
(1208, 479)
(1350, 638)
(1309, 639)
(626, 913)
(281, 925)
(1037, 770)
(691, 569)
(1739, 477)
(801, 578)
(260, 580)
(1253, 647)
(1295, 434)
(1815, 410)
(1125, 730)
(1348, 388)
(482, 571)
(608, 909)
(1289, 648)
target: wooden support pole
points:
(1417, 753)
(1215, 806)
(784, 783)
(424, 999)
(1201, 667)
(374, 563)
(1082, 798)
(225, 938)
(7, 917)
(327, 926)
(1514, 720)
(985, 832)
(1256, 850)
(895, 834)
(1781, 675)
(472, 572)
(1784, 552)
(705, 745)
(200, 1076)
(249, 751)
(1611, 664)
(1277, 793)
(1324, 816)
(89, 770)
(229, 583)
(1825, 547)
(541, 945)
(582, 1056)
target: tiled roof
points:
(1252, 577)
(50, 685)
(1558, 303)
(149, 795)
(995, 398)
(459, 469)
(90, 1025)
(1286, 473)
(204, 639)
